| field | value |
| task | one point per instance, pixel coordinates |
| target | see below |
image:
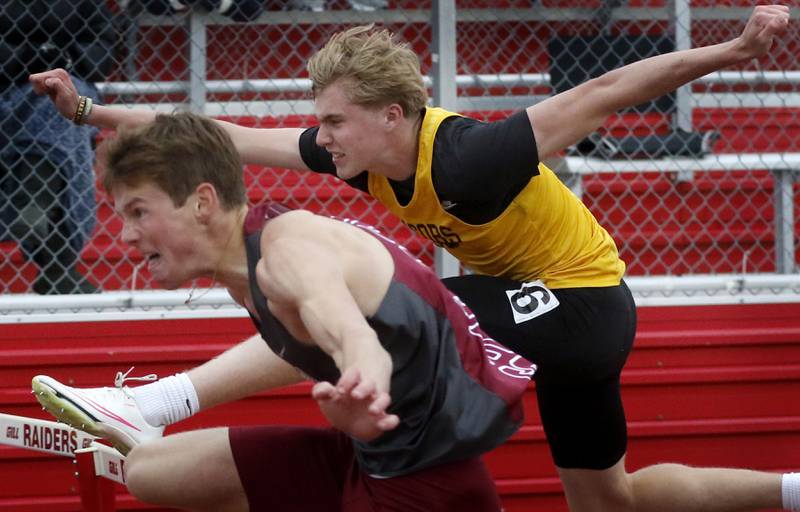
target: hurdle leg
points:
(97, 492)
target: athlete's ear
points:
(206, 201)
(394, 115)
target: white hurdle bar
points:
(42, 435)
(98, 465)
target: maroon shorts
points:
(303, 469)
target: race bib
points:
(531, 300)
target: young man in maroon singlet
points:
(413, 388)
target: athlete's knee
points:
(617, 498)
(140, 475)
(650, 488)
(656, 486)
(603, 490)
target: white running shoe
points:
(110, 413)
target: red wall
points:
(712, 385)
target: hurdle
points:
(98, 466)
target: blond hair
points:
(375, 70)
(177, 152)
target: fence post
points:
(445, 93)
(783, 202)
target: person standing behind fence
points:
(46, 181)
(552, 288)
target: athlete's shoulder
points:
(293, 219)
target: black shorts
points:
(580, 347)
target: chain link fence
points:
(701, 182)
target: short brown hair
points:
(177, 152)
(376, 70)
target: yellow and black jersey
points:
(538, 230)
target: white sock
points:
(790, 490)
(168, 400)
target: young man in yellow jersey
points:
(480, 191)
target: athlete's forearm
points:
(654, 77)
(270, 147)
(109, 117)
(588, 105)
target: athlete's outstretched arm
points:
(270, 147)
(304, 275)
(568, 117)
